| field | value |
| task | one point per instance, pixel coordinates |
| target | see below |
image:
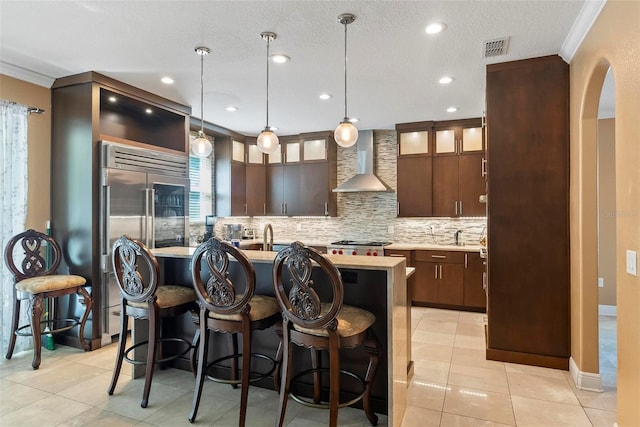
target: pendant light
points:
(201, 146)
(346, 134)
(267, 140)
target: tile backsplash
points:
(366, 215)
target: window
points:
(200, 196)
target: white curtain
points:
(13, 204)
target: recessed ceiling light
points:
(325, 96)
(279, 58)
(112, 99)
(435, 28)
(148, 111)
(452, 109)
(231, 108)
(445, 80)
(167, 80)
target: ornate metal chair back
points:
(298, 296)
(220, 294)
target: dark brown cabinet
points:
(474, 278)
(300, 178)
(231, 180)
(256, 175)
(528, 212)
(458, 168)
(439, 277)
(414, 189)
(441, 168)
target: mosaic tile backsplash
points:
(363, 216)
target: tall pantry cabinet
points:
(528, 212)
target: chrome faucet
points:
(457, 237)
(267, 230)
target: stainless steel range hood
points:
(364, 179)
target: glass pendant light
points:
(346, 134)
(201, 146)
(267, 140)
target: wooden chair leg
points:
(203, 349)
(194, 351)
(316, 357)
(286, 376)
(334, 378)
(14, 326)
(36, 314)
(278, 359)
(372, 346)
(233, 347)
(154, 326)
(246, 368)
(88, 305)
(122, 345)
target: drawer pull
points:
(438, 256)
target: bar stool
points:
(314, 317)
(35, 281)
(142, 298)
(229, 307)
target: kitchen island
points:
(377, 284)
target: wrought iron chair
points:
(141, 297)
(230, 307)
(35, 281)
(320, 324)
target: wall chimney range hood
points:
(364, 179)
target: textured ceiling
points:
(394, 66)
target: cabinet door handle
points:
(264, 208)
(440, 266)
(285, 208)
(326, 209)
(466, 261)
(398, 209)
(282, 208)
(438, 256)
(483, 169)
(455, 204)
(245, 209)
(460, 207)
(435, 267)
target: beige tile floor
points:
(453, 385)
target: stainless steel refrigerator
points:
(145, 194)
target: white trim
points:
(25, 75)
(584, 380)
(585, 19)
(607, 310)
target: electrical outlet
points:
(298, 227)
(632, 263)
(390, 229)
(601, 282)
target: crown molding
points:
(25, 75)
(581, 26)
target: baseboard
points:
(553, 362)
(584, 380)
(608, 310)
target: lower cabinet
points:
(448, 278)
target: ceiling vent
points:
(496, 47)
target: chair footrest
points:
(257, 375)
(68, 325)
(325, 405)
(163, 360)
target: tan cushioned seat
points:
(170, 296)
(262, 307)
(55, 282)
(351, 321)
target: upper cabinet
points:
(414, 169)
(441, 168)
